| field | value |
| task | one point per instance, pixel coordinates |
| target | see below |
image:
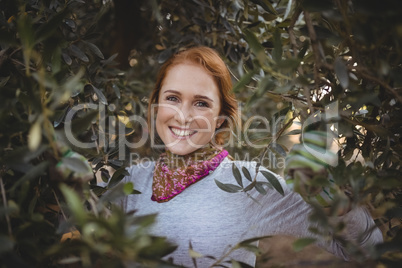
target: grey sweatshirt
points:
(214, 220)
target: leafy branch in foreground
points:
(55, 81)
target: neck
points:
(202, 154)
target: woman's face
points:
(188, 108)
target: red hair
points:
(214, 65)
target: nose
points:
(185, 115)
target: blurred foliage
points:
(50, 65)
(289, 60)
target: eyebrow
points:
(195, 96)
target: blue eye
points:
(201, 104)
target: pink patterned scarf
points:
(174, 173)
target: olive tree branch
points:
(316, 52)
(274, 139)
(292, 36)
(360, 71)
(382, 84)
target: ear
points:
(219, 122)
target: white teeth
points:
(181, 132)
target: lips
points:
(182, 132)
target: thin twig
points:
(94, 198)
(278, 135)
(314, 46)
(364, 73)
(3, 193)
(275, 138)
(22, 64)
(292, 33)
(347, 32)
(93, 201)
(306, 90)
(58, 203)
(383, 84)
(96, 142)
(234, 76)
(221, 259)
(237, 79)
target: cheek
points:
(164, 114)
(206, 122)
(161, 118)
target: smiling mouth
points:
(182, 132)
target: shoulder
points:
(146, 166)
(141, 171)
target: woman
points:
(193, 104)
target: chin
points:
(180, 150)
